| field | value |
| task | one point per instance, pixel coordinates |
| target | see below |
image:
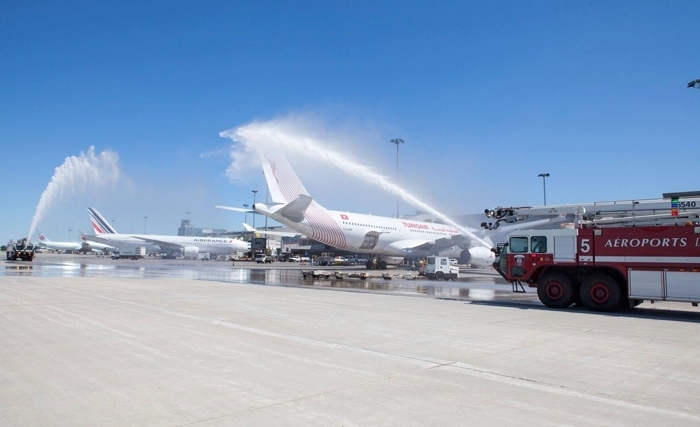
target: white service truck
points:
(129, 252)
(440, 268)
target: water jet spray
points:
(276, 135)
(77, 174)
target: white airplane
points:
(391, 239)
(45, 243)
(94, 246)
(190, 246)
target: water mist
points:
(276, 135)
(77, 175)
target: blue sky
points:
(487, 95)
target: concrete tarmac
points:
(114, 351)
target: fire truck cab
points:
(609, 261)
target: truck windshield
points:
(431, 261)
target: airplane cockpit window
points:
(518, 244)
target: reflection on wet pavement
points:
(481, 287)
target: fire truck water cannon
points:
(501, 214)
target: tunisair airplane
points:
(390, 239)
(190, 246)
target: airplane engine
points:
(478, 256)
(191, 252)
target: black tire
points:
(555, 290)
(600, 293)
(382, 265)
(454, 277)
(439, 276)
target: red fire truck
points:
(616, 255)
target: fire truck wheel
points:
(555, 290)
(382, 265)
(600, 293)
(439, 276)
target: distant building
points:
(186, 229)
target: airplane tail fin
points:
(283, 183)
(99, 224)
(43, 238)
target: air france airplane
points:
(190, 246)
(391, 239)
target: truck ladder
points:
(517, 286)
(636, 212)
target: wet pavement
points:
(93, 341)
(474, 284)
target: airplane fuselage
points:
(61, 246)
(152, 243)
(363, 233)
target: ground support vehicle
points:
(262, 258)
(20, 250)
(316, 274)
(129, 252)
(440, 268)
(610, 260)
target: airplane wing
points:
(437, 244)
(271, 233)
(230, 208)
(412, 244)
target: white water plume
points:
(285, 135)
(79, 174)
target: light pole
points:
(255, 193)
(267, 196)
(69, 230)
(544, 186)
(245, 232)
(397, 141)
(144, 224)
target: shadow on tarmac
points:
(644, 311)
